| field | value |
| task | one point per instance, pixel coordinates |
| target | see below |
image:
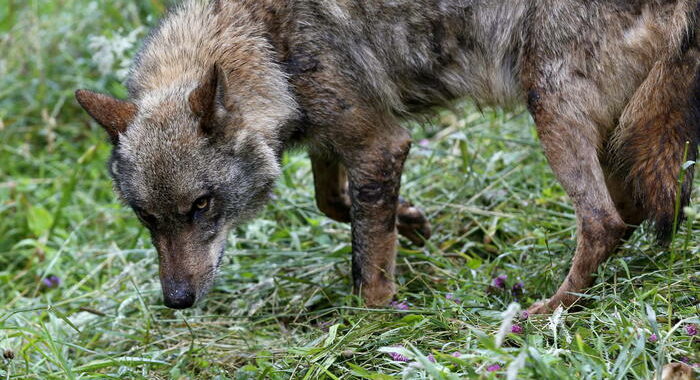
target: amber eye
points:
(201, 203)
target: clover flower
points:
(518, 289)
(399, 305)
(51, 281)
(452, 298)
(499, 281)
(398, 357)
(325, 325)
(493, 368)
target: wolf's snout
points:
(178, 295)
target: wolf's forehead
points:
(159, 165)
(163, 109)
(163, 128)
(156, 153)
(161, 182)
(152, 146)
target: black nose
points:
(178, 296)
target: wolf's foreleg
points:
(374, 171)
(332, 198)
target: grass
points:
(281, 306)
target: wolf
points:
(220, 89)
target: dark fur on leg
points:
(332, 198)
(374, 191)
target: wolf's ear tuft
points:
(112, 114)
(208, 96)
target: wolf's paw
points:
(412, 223)
(378, 294)
(542, 307)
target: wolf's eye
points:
(202, 203)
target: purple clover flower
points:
(653, 338)
(456, 354)
(518, 289)
(499, 281)
(691, 330)
(325, 325)
(398, 357)
(51, 281)
(525, 315)
(399, 305)
(431, 358)
(516, 329)
(493, 368)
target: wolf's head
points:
(190, 169)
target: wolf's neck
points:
(197, 35)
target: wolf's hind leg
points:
(332, 198)
(571, 149)
(650, 141)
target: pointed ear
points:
(205, 99)
(112, 114)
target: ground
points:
(80, 298)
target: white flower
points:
(554, 322)
(110, 54)
(507, 322)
